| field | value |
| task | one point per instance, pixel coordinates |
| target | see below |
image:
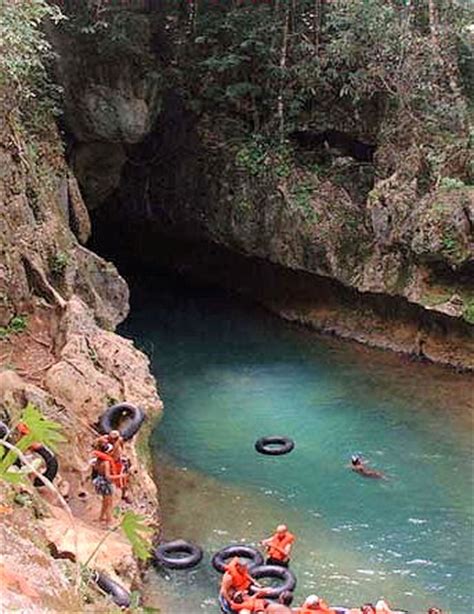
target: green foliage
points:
(135, 530)
(41, 430)
(253, 155)
(301, 196)
(24, 48)
(17, 324)
(449, 244)
(468, 313)
(451, 183)
(58, 263)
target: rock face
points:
(59, 304)
(367, 211)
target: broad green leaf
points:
(135, 530)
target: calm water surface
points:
(230, 373)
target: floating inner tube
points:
(220, 559)
(164, 554)
(274, 571)
(274, 446)
(51, 465)
(111, 418)
(120, 596)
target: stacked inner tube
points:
(275, 445)
(274, 571)
(170, 555)
(120, 596)
(219, 560)
(111, 418)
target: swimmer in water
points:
(359, 467)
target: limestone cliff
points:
(360, 205)
(59, 305)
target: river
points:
(229, 373)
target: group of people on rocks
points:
(110, 470)
(237, 591)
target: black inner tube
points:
(220, 559)
(112, 417)
(275, 571)
(120, 596)
(186, 555)
(275, 445)
(51, 462)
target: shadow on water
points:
(228, 373)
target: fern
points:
(135, 529)
(41, 430)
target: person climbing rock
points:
(360, 467)
(314, 605)
(236, 578)
(283, 606)
(103, 481)
(279, 546)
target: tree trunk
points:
(283, 55)
(433, 17)
(317, 23)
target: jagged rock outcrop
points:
(360, 204)
(59, 303)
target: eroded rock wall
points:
(59, 306)
(396, 221)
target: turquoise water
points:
(230, 373)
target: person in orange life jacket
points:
(314, 605)
(253, 603)
(103, 481)
(279, 546)
(283, 606)
(236, 578)
(121, 465)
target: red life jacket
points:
(321, 608)
(283, 541)
(115, 468)
(253, 604)
(241, 580)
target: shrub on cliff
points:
(24, 50)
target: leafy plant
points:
(468, 313)
(135, 531)
(17, 324)
(59, 262)
(24, 48)
(40, 430)
(451, 183)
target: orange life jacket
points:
(115, 468)
(283, 541)
(321, 608)
(253, 604)
(241, 580)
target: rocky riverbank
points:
(59, 305)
